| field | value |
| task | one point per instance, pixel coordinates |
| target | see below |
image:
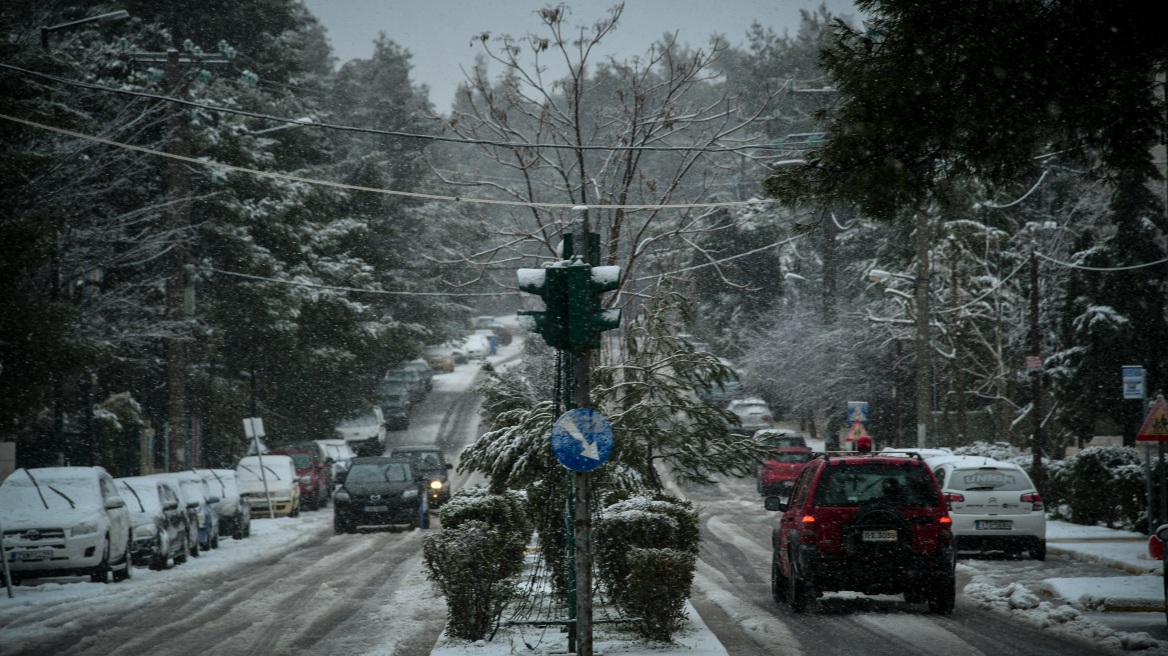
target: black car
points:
(430, 464)
(379, 491)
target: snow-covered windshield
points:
(140, 497)
(251, 472)
(21, 491)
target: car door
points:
(172, 512)
(788, 524)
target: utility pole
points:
(923, 347)
(1038, 444)
(179, 452)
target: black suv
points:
(431, 464)
(379, 491)
(869, 523)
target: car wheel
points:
(943, 595)
(127, 568)
(180, 556)
(1038, 551)
(295, 512)
(340, 526)
(214, 540)
(193, 544)
(778, 581)
(100, 574)
(237, 529)
(799, 592)
(161, 557)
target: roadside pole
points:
(253, 427)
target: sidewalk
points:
(1122, 550)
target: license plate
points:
(879, 536)
(376, 508)
(993, 525)
(32, 555)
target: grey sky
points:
(438, 32)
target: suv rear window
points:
(989, 479)
(855, 485)
(791, 457)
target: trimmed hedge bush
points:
(475, 558)
(646, 551)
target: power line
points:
(375, 190)
(312, 285)
(387, 133)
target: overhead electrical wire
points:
(376, 190)
(387, 133)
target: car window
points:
(989, 479)
(800, 492)
(792, 457)
(397, 472)
(856, 485)
(301, 460)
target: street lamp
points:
(121, 14)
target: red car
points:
(776, 474)
(314, 475)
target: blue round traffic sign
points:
(582, 439)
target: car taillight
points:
(808, 533)
(1034, 498)
(952, 497)
(766, 418)
(808, 520)
(945, 521)
(945, 532)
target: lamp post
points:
(121, 14)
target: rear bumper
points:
(874, 574)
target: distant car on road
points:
(780, 437)
(776, 475)
(753, 415)
(430, 463)
(312, 474)
(378, 491)
(65, 521)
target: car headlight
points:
(84, 528)
(410, 494)
(435, 484)
(143, 531)
(341, 496)
(306, 479)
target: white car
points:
(274, 481)
(993, 504)
(65, 521)
(753, 414)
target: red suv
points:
(869, 523)
(314, 475)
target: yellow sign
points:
(1155, 428)
(857, 432)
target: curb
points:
(1103, 560)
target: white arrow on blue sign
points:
(582, 439)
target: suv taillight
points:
(1034, 498)
(807, 535)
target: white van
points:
(278, 472)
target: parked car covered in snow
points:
(65, 521)
(161, 533)
(276, 475)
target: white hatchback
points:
(994, 505)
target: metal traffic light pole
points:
(582, 482)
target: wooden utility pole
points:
(1038, 444)
(924, 350)
(178, 450)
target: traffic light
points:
(587, 318)
(573, 317)
(552, 285)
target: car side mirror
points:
(212, 500)
(450, 465)
(170, 505)
(193, 504)
(113, 503)
(775, 503)
(342, 475)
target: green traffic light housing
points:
(551, 285)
